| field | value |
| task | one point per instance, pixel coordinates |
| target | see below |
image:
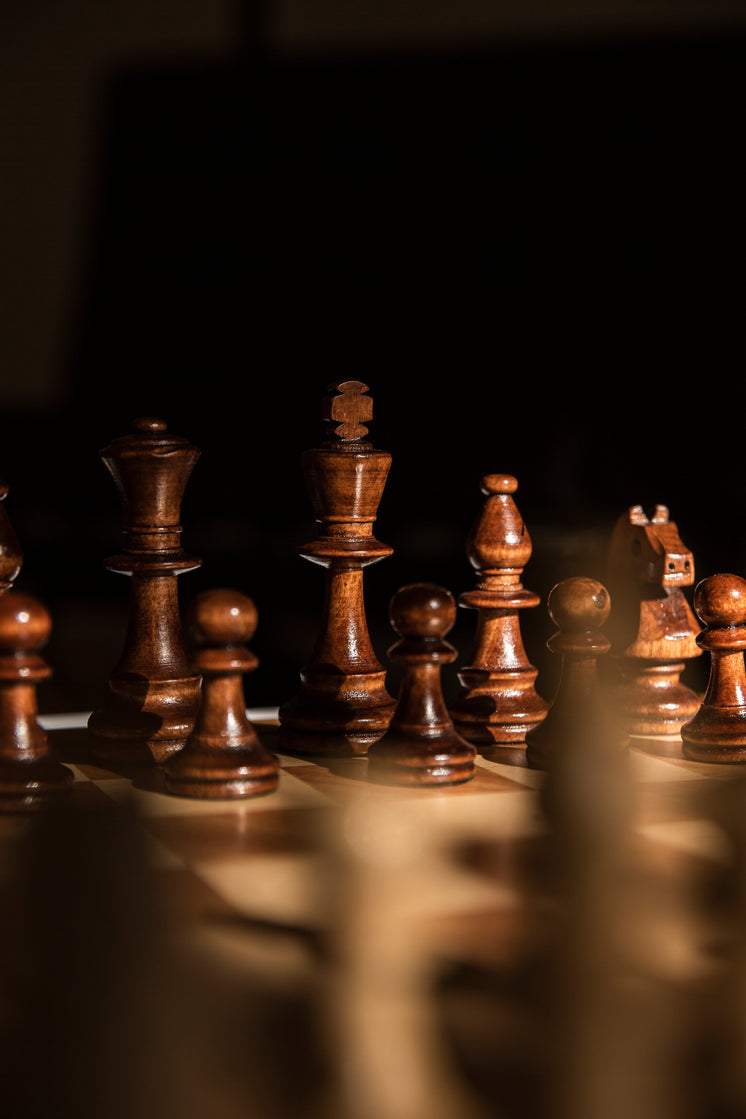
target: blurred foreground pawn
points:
(717, 733)
(29, 776)
(601, 1059)
(11, 554)
(579, 608)
(421, 746)
(498, 702)
(223, 756)
(153, 693)
(342, 706)
(652, 629)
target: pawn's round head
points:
(25, 623)
(494, 484)
(421, 610)
(222, 616)
(720, 600)
(579, 604)
(148, 425)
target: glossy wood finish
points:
(717, 732)
(498, 702)
(223, 757)
(11, 553)
(342, 706)
(30, 777)
(652, 627)
(421, 746)
(579, 607)
(153, 694)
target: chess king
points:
(342, 706)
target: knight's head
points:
(649, 550)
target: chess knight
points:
(652, 628)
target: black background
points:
(533, 254)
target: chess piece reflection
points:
(652, 628)
(717, 732)
(342, 706)
(421, 745)
(498, 702)
(223, 756)
(29, 776)
(153, 693)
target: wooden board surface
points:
(323, 911)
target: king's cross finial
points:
(349, 410)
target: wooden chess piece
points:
(11, 554)
(598, 1010)
(717, 732)
(223, 756)
(497, 702)
(652, 628)
(153, 693)
(579, 607)
(421, 746)
(29, 776)
(342, 706)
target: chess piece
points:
(153, 693)
(579, 607)
(342, 706)
(29, 775)
(652, 628)
(421, 746)
(497, 702)
(11, 555)
(717, 732)
(587, 799)
(223, 756)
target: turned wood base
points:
(232, 774)
(716, 735)
(125, 731)
(331, 718)
(27, 786)
(397, 761)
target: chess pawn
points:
(717, 732)
(579, 607)
(421, 745)
(652, 628)
(587, 798)
(223, 756)
(497, 702)
(11, 556)
(29, 776)
(153, 693)
(342, 706)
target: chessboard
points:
(341, 940)
(377, 899)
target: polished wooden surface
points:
(223, 756)
(421, 745)
(11, 552)
(497, 701)
(153, 692)
(343, 705)
(717, 732)
(29, 775)
(652, 627)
